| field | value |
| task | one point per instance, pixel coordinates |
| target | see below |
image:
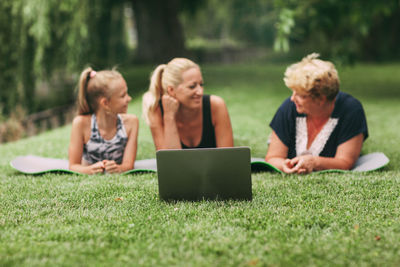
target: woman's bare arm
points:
(346, 155)
(277, 152)
(163, 127)
(221, 121)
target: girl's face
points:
(119, 100)
(189, 93)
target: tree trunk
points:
(160, 34)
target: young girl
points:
(103, 136)
(179, 114)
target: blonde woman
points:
(318, 127)
(103, 136)
(178, 112)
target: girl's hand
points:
(97, 167)
(111, 166)
(170, 105)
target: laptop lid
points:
(204, 173)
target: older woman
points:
(318, 127)
(179, 114)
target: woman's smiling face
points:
(189, 92)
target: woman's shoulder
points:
(346, 102)
(347, 98)
(217, 101)
(347, 106)
(287, 107)
(287, 103)
(217, 105)
(285, 114)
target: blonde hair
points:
(313, 76)
(163, 76)
(92, 86)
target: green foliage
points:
(248, 22)
(284, 29)
(9, 57)
(40, 37)
(312, 220)
(344, 29)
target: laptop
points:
(204, 173)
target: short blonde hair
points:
(163, 76)
(314, 77)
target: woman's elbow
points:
(346, 163)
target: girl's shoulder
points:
(82, 120)
(129, 118)
(130, 121)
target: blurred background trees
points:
(46, 43)
(43, 42)
(348, 31)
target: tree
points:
(248, 22)
(160, 35)
(41, 38)
(346, 30)
(159, 30)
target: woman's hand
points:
(163, 126)
(301, 165)
(170, 105)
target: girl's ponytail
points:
(83, 104)
(152, 97)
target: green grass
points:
(317, 220)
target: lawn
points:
(311, 220)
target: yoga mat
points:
(38, 165)
(31, 164)
(366, 163)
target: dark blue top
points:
(348, 111)
(208, 133)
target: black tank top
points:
(208, 134)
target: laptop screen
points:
(204, 173)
